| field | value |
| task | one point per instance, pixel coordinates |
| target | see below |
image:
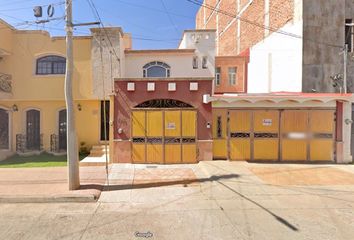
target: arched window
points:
(156, 69)
(51, 65)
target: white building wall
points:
(203, 41)
(276, 63)
(181, 65)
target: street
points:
(211, 200)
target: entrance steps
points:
(97, 157)
(99, 150)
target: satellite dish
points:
(50, 10)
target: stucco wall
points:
(87, 120)
(181, 65)
(241, 77)
(106, 57)
(276, 63)
(6, 37)
(203, 41)
(21, 65)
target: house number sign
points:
(171, 126)
(267, 122)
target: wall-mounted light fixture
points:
(79, 107)
(15, 108)
(348, 121)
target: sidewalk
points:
(49, 185)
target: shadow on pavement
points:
(159, 183)
(278, 218)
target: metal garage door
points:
(164, 136)
(240, 135)
(294, 127)
(321, 125)
(273, 135)
(307, 135)
(266, 135)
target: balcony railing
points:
(21, 144)
(5, 83)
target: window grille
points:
(50, 65)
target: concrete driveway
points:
(210, 200)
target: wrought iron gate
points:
(62, 130)
(33, 130)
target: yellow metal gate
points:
(220, 134)
(266, 135)
(240, 135)
(294, 126)
(321, 125)
(273, 135)
(164, 136)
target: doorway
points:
(105, 113)
(62, 130)
(4, 130)
(33, 135)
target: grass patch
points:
(43, 160)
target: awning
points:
(279, 97)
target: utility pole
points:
(72, 148)
(345, 54)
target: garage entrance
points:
(274, 135)
(164, 136)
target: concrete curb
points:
(61, 198)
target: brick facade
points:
(253, 17)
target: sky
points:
(154, 24)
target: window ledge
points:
(48, 75)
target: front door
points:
(62, 130)
(4, 129)
(220, 134)
(105, 106)
(33, 130)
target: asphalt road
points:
(222, 201)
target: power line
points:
(195, 2)
(30, 23)
(282, 3)
(94, 9)
(26, 25)
(154, 9)
(24, 8)
(169, 17)
(114, 15)
(16, 2)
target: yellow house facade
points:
(32, 102)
